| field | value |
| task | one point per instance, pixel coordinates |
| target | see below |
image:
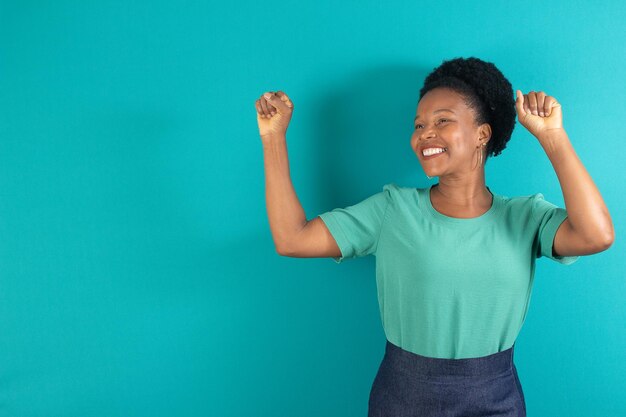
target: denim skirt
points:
(411, 385)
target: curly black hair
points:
(485, 90)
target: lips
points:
(431, 145)
(428, 157)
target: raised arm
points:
(588, 228)
(293, 235)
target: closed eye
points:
(418, 126)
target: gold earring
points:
(480, 154)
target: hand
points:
(538, 112)
(274, 112)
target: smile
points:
(429, 153)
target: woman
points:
(455, 261)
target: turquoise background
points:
(138, 276)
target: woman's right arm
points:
(293, 235)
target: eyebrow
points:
(436, 111)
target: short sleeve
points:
(356, 228)
(548, 217)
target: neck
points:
(464, 192)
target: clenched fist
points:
(538, 112)
(274, 112)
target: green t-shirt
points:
(449, 287)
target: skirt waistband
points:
(485, 366)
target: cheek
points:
(461, 137)
(460, 146)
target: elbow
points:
(607, 240)
(286, 245)
(609, 234)
(598, 238)
(282, 249)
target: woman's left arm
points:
(588, 227)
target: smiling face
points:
(444, 121)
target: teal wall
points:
(138, 275)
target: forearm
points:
(585, 207)
(285, 213)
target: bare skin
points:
(588, 227)
(461, 191)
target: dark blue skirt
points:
(408, 385)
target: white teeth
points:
(432, 151)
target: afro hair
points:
(485, 90)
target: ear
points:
(484, 133)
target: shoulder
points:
(392, 187)
(525, 205)
(396, 192)
(529, 200)
(514, 208)
(518, 202)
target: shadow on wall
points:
(361, 134)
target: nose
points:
(426, 133)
